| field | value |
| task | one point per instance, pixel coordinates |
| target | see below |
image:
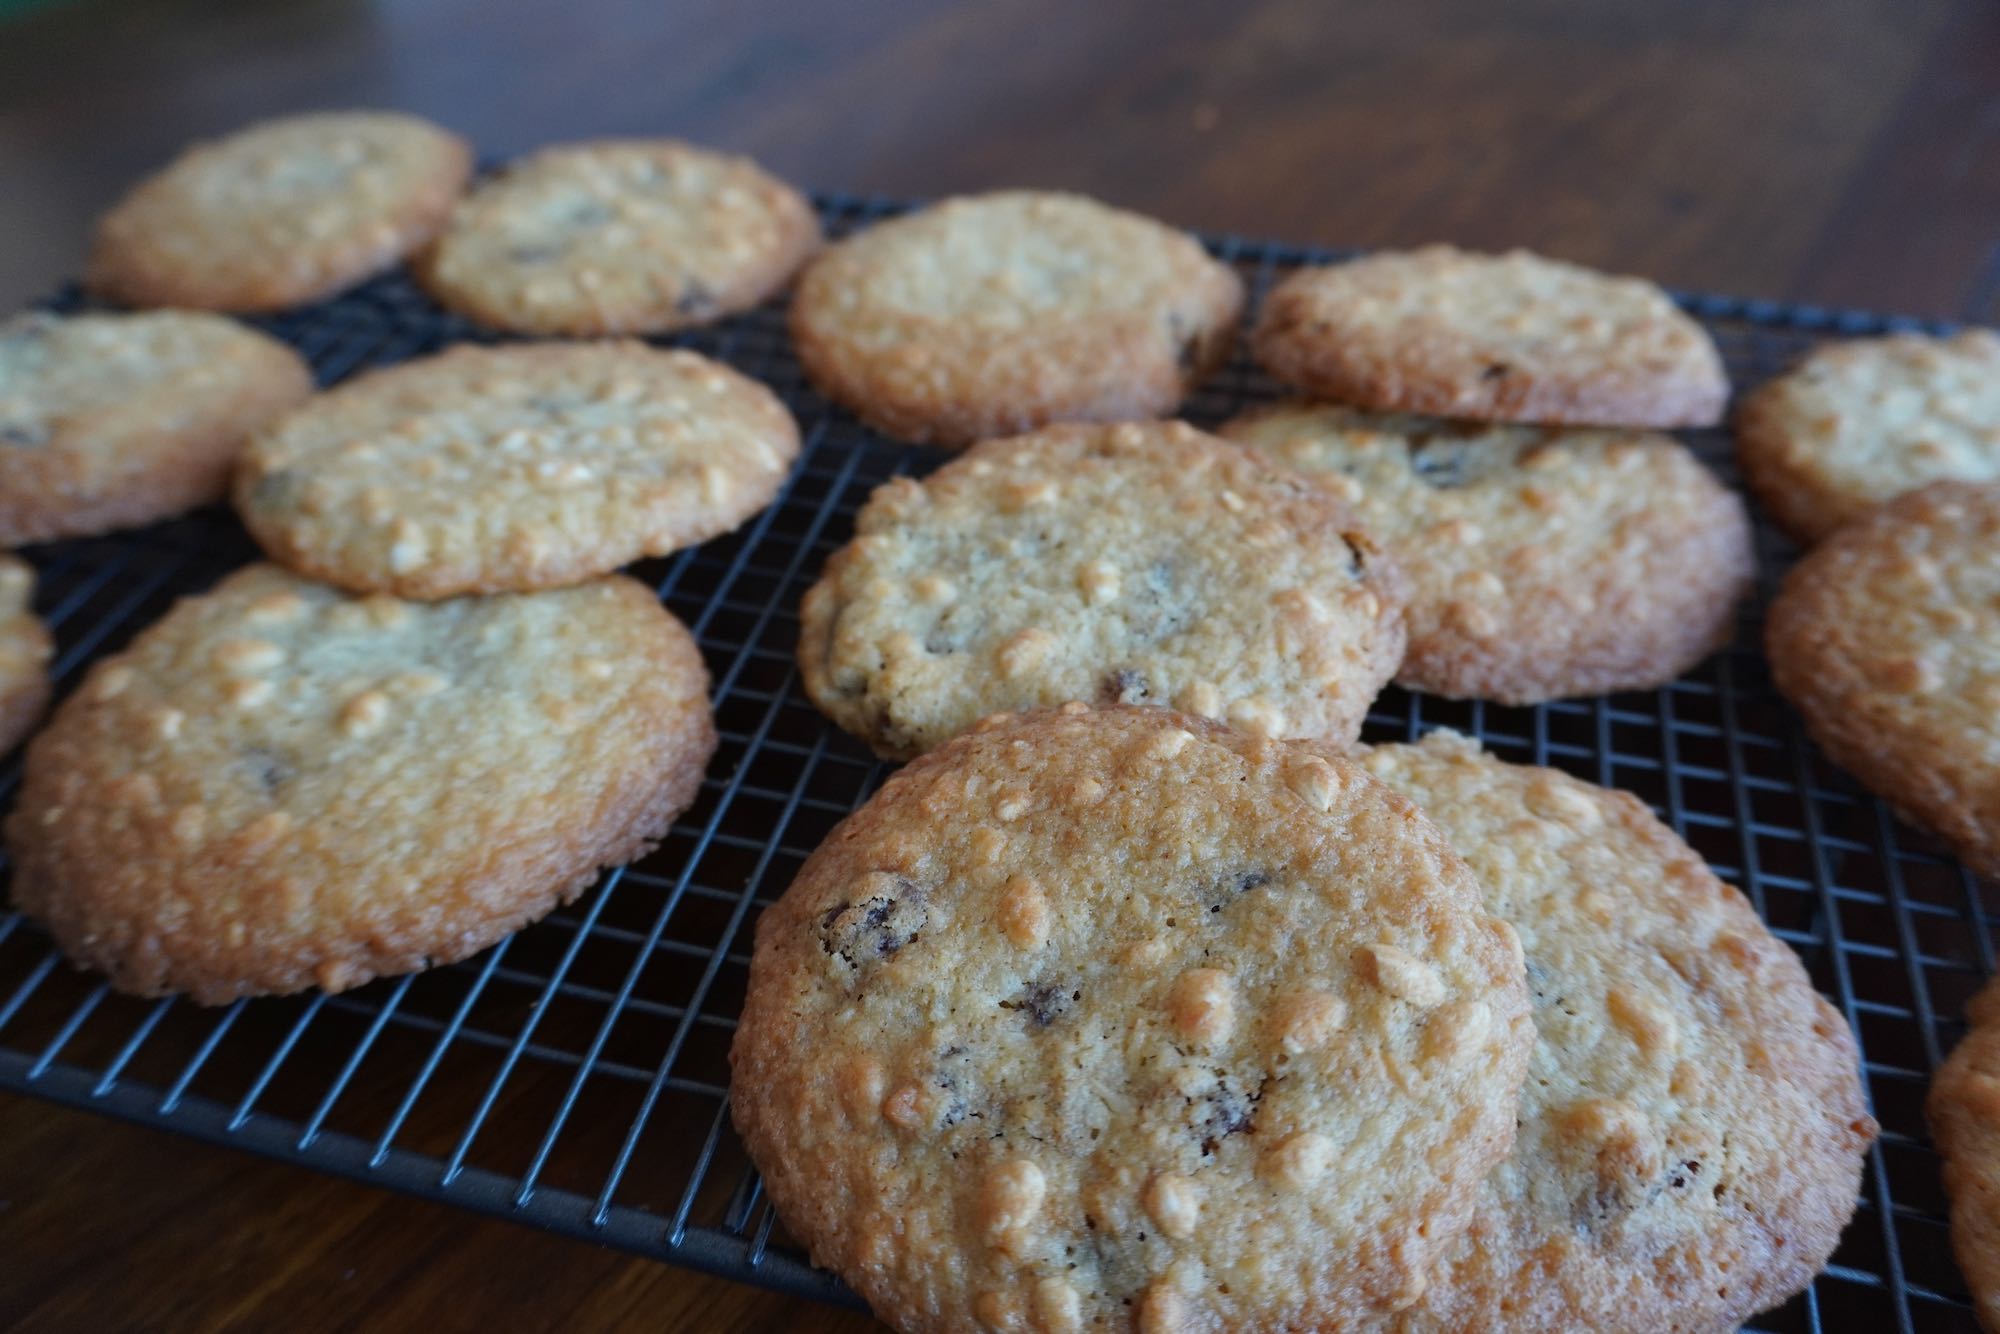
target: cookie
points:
(109, 421)
(1512, 337)
(1692, 1128)
(619, 237)
(1964, 1112)
(489, 469)
(998, 313)
(279, 786)
(25, 649)
(282, 213)
(1857, 423)
(1144, 563)
(1542, 562)
(1100, 1017)
(1886, 638)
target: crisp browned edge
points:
(1826, 688)
(1302, 349)
(793, 1190)
(819, 610)
(637, 820)
(132, 275)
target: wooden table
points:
(1846, 152)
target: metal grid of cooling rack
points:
(575, 1077)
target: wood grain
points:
(107, 1226)
(1844, 152)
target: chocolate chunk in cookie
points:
(1145, 563)
(1542, 562)
(1055, 1086)
(619, 237)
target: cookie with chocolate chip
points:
(1964, 1114)
(1886, 637)
(997, 313)
(619, 237)
(110, 421)
(1103, 1018)
(1692, 1128)
(1514, 337)
(280, 786)
(281, 213)
(25, 648)
(496, 469)
(1860, 422)
(1542, 562)
(1144, 563)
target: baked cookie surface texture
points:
(993, 314)
(1514, 337)
(1861, 422)
(513, 468)
(1542, 562)
(25, 649)
(1123, 1018)
(279, 786)
(1964, 1111)
(1692, 1128)
(619, 237)
(110, 421)
(281, 213)
(1143, 563)
(1886, 637)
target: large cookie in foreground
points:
(1542, 562)
(998, 313)
(278, 786)
(1513, 337)
(281, 213)
(1143, 563)
(1692, 1129)
(1886, 637)
(1100, 1017)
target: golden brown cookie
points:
(1512, 337)
(282, 213)
(280, 786)
(1886, 637)
(1123, 1018)
(998, 313)
(1542, 562)
(621, 236)
(109, 421)
(495, 469)
(25, 649)
(1860, 422)
(1964, 1109)
(1144, 563)
(1692, 1128)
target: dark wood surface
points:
(1845, 152)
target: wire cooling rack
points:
(575, 1077)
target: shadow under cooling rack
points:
(576, 1076)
